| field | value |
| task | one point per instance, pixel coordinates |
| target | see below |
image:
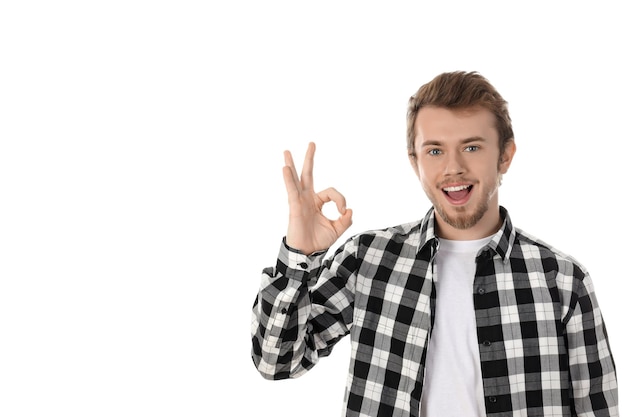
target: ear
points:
(507, 156)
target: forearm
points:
(280, 347)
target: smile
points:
(458, 194)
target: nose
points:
(454, 165)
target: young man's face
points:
(459, 165)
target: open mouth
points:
(458, 194)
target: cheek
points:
(492, 174)
(425, 176)
(426, 172)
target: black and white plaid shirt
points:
(543, 345)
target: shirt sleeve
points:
(592, 369)
(303, 308)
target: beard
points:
(461, 218)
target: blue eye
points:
(472, 148)
(434, 152)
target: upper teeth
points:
(456, 188)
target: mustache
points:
(456, 181)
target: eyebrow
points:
(463, 142)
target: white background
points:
(141, 191)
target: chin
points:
(462, 221)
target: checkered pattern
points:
(543, 346)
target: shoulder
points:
(400, 230)
(396, 239)
(532, 249)
(397, 233)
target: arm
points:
(294, 322)
(304, 307)
(592, 369)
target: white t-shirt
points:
(453, 382)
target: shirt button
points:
(487, 343)
(284, 311)
(303, 265)
(493, 399)
(481, 291)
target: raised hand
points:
(309, 229)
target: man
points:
(459, 314)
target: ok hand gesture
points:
(309, 229)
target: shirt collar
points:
(427, 237)
(501, 242)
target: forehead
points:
(439, 123)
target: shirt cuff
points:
(298, 261)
